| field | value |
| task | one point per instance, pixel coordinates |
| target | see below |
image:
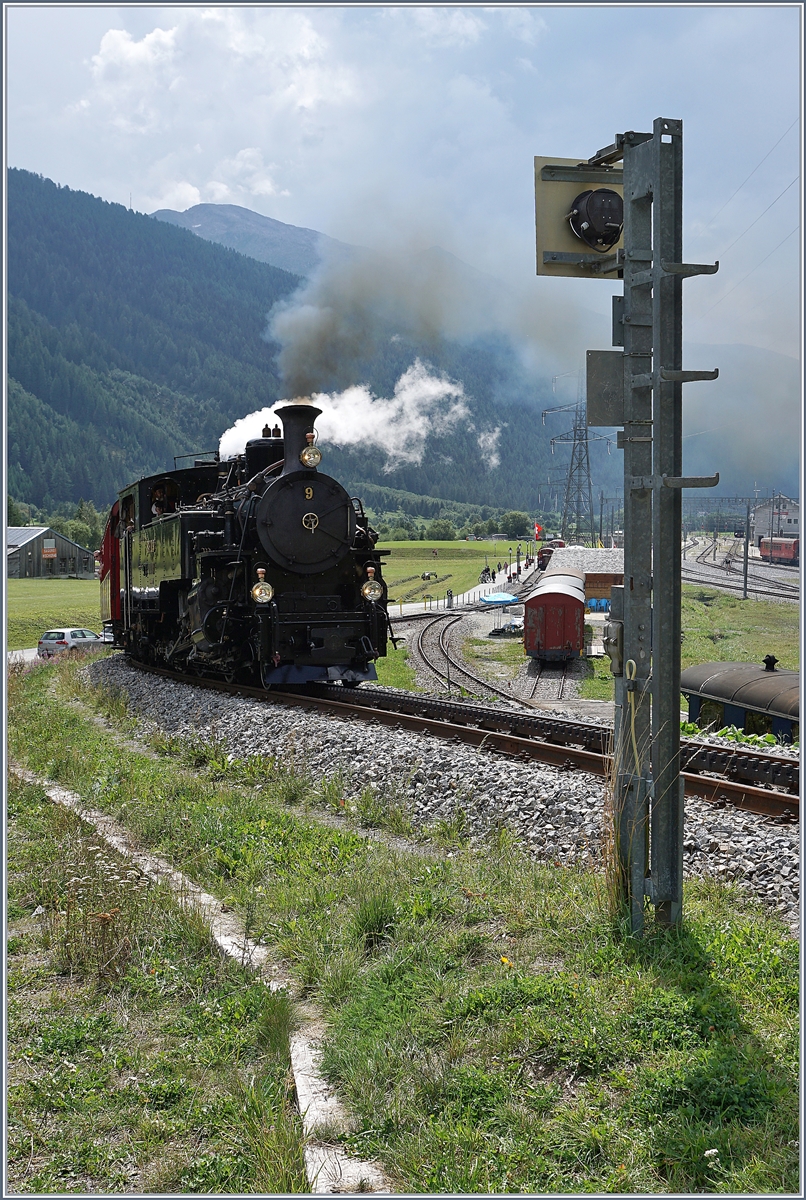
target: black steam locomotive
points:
(260, 568)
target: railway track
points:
(761, 783)
(447, 669)
(707, 579)
(758, 582)
(548, 675)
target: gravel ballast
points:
(557, 813)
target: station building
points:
(602, 569)
(778, 517)
(37, 552)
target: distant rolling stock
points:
(781, 550)
(554, 618)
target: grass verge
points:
(457, 566)
(504, 655)
(489, 1027)
(35, 605)
(394, 669)
(718, 627)
(138, 1059)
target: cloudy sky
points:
(411, 126)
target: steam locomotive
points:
(256, 569)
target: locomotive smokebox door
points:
(306, 522)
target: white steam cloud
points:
(423, 404)
(233, 442)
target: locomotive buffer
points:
(594, 220)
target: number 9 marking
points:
(309, 493)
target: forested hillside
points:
(131, 340)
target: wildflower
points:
(506, 961)
(711, 1153)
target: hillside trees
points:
(440, 531)
(131, 340)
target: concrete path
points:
(22, 655)
(439, 604)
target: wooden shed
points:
(37, 552)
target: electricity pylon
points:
(578, 507)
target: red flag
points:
(538, 529)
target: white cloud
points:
(217, 192)
(179, 195)
(446, 26)
(417, 126)
(246, 173)
(488, 444)
(120, 55)
(522, 23)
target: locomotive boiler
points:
(259, 568)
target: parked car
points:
(54, 641)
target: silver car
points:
(55, 641)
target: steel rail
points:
(721, 584)
(541, 677)
(513, 735)
(457, 667)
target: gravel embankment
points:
(557, 813)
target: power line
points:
(760, 215)
(749, 273)
(770, 296)
(752, 173)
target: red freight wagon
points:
(554, 618)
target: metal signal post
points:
(638, 389)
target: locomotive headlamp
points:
(311, 456)
(597, 217)
(372, 590)
(262, 592)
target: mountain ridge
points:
(290, 247)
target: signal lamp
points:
(311, 456)
(372, 590)
(262, 592)
(597, 217)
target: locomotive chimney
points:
(298, 418)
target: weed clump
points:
(373, 919)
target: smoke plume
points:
(354, 304)
(233, 441)
(423, 404)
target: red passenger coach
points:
(779, 549)
(110, 569)
(554, 618)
